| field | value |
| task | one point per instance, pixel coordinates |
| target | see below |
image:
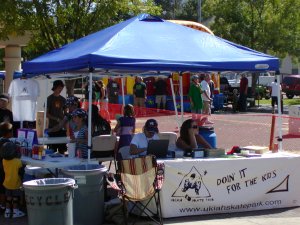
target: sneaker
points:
(18, 213)
(7, 213)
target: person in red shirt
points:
(243, 93)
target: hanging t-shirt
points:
(24, 94)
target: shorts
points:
(139, 102)
(206, 108)
(13, 192)
(161, 99)
(274, 101)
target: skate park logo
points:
(192, 187)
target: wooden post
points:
(271, 145)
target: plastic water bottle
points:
(46, 133)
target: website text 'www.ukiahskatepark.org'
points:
(231, 207)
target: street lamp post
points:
(199, 11)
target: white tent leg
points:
(279, 114)
(90, 116)
(174, 101)
(181, 97)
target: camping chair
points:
(138, 182)
(171, 136)
(124, 152)
(103, 148)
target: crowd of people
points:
(67, 118)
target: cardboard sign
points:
(28, 134)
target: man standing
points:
(139, 93)
(206, 97)
(275, 92)
(195, 97)
(243, 93)
(113, 91)
(160, 87)
(55, 113)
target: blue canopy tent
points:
(147, 43)
(2, 75)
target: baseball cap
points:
(194, 77)
(57, 83)
(72, 100)
(4, 97)
(80, 113)
(151, 125)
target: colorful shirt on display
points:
(24, 94)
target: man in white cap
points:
(206, 96)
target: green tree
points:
(54, 23)
(270, 26)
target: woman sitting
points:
(190, 138)
(100, 126)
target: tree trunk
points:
(253, 87)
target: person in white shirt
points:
(275, 92)
(207, 100)
(139, 142)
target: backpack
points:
(103, 127)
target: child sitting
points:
(13, 170)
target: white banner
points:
(211, 186)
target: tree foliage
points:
(271, 26)
(54, 23)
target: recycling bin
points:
(88, 204)
(50, 201)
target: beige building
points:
(13, 57)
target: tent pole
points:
(123, 94)
(45, 111)
(279, 113)
(174, 101)
(181, 96)
(90, 116)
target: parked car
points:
(291, 85)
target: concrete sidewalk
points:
(286, 216)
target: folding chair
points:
(124, 152)
(139, 181)
(171, 136)
(103, 148)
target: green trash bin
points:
(50, 201)
(88, 204)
